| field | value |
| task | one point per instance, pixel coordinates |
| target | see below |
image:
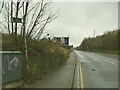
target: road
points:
(83, 70)
(98, 71)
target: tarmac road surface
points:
(98, 71)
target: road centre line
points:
(100, 61)
(110, 62)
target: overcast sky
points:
(79, 19)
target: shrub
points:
(44, 55)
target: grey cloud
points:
(80, 19)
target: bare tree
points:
(35, 15)
(40, 19)
(1, 5)
(12, 15)
(24, 30)
(17, 10)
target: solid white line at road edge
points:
(81, 77)
(80, 74)
(78, 83)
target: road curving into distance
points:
(97, 71)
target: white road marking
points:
(110, 62)
(81, 77)
(78, 83)
(85, 60)
(80, 74)
(82, 59)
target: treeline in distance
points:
(108, 42)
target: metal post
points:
(94, 40)
(68, 40)
(25, 41)
(26, 52)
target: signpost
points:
(20, 20)
(17, 20)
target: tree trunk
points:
(12, 16)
